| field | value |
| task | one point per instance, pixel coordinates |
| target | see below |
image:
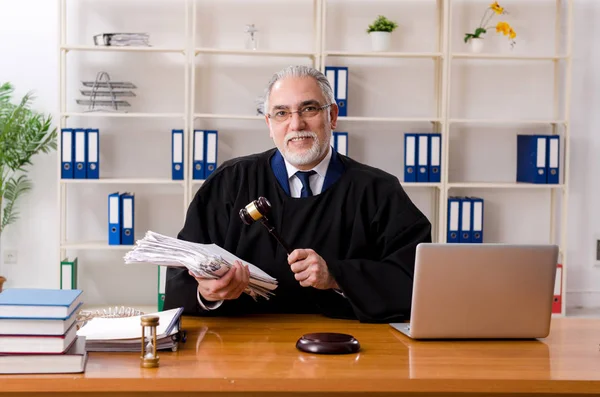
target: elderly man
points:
(352, 228)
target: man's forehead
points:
(295, 91)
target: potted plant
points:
(381, 32)
(476, 41)
(23, 134)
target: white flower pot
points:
(476, 44)
(380, 41)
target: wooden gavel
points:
(257, 210)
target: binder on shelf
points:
(80, 170)
(162, 280)
(465, 220)
(557, 301)
(93, 153)
(553, 156)
(423, 158)
(435, 154)
(66, 154)
(68, 274)
(177, 154)
(211, 138)
(476, 219)
(114, 219)
(127, 218)
(198, 155)
(340, 142)
(338, 79)
(454, 219)
(410, 157)
(531, 158)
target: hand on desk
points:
(230, 286)
(311, 270)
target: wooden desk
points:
(257, 355)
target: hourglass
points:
(149, 357)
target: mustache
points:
(300, 134)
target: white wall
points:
(28, 40)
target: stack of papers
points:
(202, 260)
(123, 334)
(122, 39)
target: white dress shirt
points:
(316, 180)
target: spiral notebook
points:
(123, 334)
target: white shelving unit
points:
(440, 119)
(556, 121)
(66, 112)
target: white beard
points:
(307, 157)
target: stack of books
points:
(38, 331)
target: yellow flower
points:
(496, 7)
(503, 27)
(511, 33)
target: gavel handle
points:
(271, 230)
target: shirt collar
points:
(320, 168)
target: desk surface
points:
(258, 354)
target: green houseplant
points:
(23, 134)
(381, 31)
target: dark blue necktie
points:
(303, 176)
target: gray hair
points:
(297, 71)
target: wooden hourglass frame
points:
(149, 357)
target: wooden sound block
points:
(328, 343)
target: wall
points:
(384, 87)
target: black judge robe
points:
(364, 226)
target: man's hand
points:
(230, 286)
(311, 270)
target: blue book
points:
(67, 153)
(338, 79)
(39, 303)
(531, 158)
(177, 155)
(553, 158)
(38, 326)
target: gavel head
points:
(255, 211)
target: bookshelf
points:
(556, 56)
(102, 274)
(440, 57)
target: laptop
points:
(482, 291)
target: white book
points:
(72, 361)
(22, 344)
(37, 326)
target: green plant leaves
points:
(476, 35)
(13, 189)
(382, 24)
(23, 134)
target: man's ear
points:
(334, 110)
(268, 122)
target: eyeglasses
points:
(306, 112)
